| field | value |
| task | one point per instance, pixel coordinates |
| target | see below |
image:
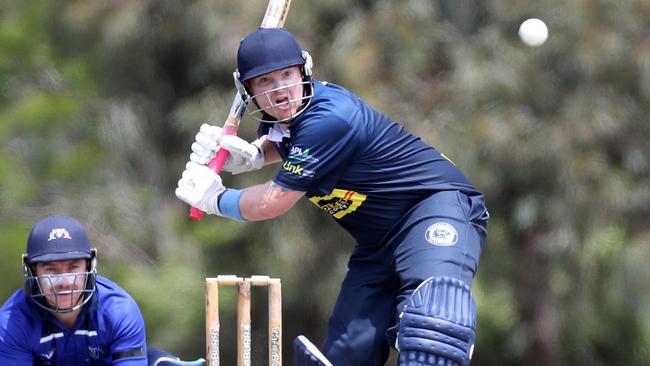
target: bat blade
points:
(276, 14)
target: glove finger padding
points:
(200, 187)
(200, 156)
(239, 146)
(212, 132)
(206, 143)
(244, 156)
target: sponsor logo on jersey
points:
(49, 355)
(292, 168)
(297, 169)
(339, 202)
(442, 234)
(294, 163)
(297, 154)
(59, 233)
(96, 352)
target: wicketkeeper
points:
(419, 224)
(68, 315)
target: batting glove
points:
(200, 187)
(243, 157)
(206, 144)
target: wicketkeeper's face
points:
(279, 93)
(62, 282)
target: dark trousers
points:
(442, 236)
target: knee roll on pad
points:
(438, 324)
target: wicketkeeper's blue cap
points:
(57, 238)
(267, 50)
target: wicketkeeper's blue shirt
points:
(359, 166)
(109, 331)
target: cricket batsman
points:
(418, 223)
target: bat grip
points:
(215, 164)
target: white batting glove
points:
(200, 187)
(243, 157)
(206, 144)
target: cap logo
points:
(59, 233)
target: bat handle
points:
(215, 164)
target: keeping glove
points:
(200, 187)
(167, 361)
(243, 157)
(306, 354)
(157, 357)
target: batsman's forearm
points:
(266, 201)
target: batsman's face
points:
(279, 93)
(62, 282)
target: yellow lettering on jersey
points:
(339, 202)
(292, 168)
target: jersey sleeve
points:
(14, 343)
(12, 353)
(319, 148)
(129, 336)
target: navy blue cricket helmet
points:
(267, 50)
(59, 238)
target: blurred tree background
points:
(100, 101)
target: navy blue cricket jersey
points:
(109, 326)
(360, 166)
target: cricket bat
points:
(276, 14)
